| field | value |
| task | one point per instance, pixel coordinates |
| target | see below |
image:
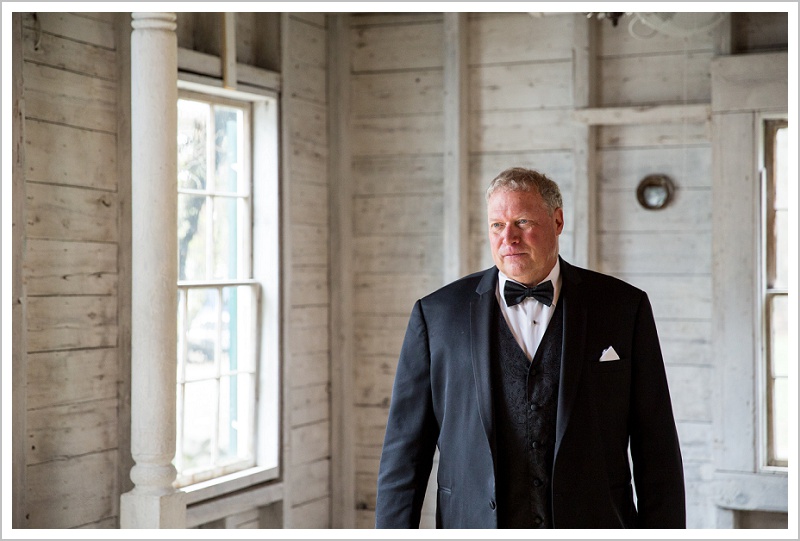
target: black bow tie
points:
(515, 293)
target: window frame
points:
(744, 88)
(769, 124)
(264, 168)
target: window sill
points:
(767, 491)
(224, 496)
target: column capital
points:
(146, 20)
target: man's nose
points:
(511, 235)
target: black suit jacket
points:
(442, 397)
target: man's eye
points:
(522, 222)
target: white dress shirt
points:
(528, 320)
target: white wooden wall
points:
(71, 270)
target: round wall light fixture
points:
(655, 191)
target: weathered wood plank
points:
(318, 19)
(684, 297)
(307, 122)
(618, 41)
(93, 30)
(312, 515)
(70, 493)
(69, 55)
(308, 162)
(623, 169)
(370, 425)
(750, 82)
(306, 83)
(386, 94)
(66, 155)
(689, 211)
(310, 481)
(391, 47)
(397, 215)
(497, 38)
(521, 86)
(310, 404)
(69, 98)
(406, 252)
(366, 490)
(374, 380)
(307, 42)
(419, 134)
(63, 377)
(309, 339)
(644, 114)
(686, 342)
(691, 389)
(309, 286)
(384, 19)
(671, 78)
(309, 204)
(71, 322)
(67, 213)
(381, 175)
(397, 292)
(310, 246)
(307, 368)
(378, 335)
(62, 432)
(521, 131)
(666, 135)
(696, 439)
(309, 443)
(655, 253)
(70, 268)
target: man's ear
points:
(558, 216)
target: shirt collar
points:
(554, 276)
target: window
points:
(227, 418)
(775, 270)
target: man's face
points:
(523, 236)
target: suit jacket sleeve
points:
(655, 451)
(411, 433)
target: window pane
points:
(778, 372)
(228, 238)
(780, 175)
(228, 122)
(192, 144)
(236, 404)
(201, 335)
(238, 345)
(198, 430)
(192, 220)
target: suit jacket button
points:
(492, 505)
(537, 520)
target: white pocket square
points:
(609, 355)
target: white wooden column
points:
(456, 159)
(153, 502)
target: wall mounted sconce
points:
(655, 191)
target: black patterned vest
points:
(525, 400)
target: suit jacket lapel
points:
(573, 345)
(481, 306)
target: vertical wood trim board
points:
(456, 158)
(341, 273)
(585, 152)
(18, 313)
(124, 265)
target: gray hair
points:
(519, 179)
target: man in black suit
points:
(535, 379)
